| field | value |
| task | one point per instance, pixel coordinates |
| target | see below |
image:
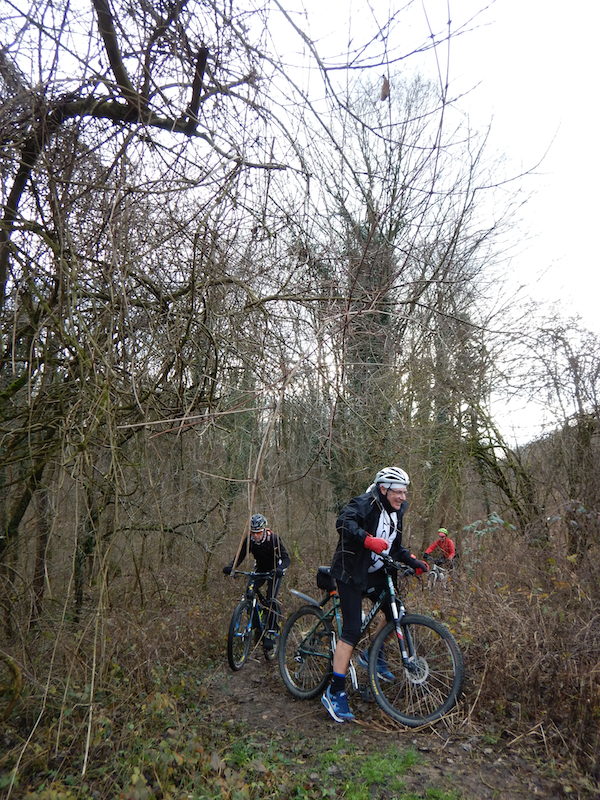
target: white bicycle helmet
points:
(392, 478)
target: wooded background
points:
(227, 288)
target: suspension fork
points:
(261, 612)
(254, 620)
(256, 604)
(398, 612)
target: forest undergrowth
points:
(124, 703)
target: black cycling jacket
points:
(359, 517)
(269, 554)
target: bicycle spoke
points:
(239, 639)
(429, 687)
(305, 653)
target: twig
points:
(475, 701)
(207, 417)
(527, 733)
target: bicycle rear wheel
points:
(430, 687)
(239, 637)
(305, 652)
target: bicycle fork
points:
(254, 621)
(407, 650)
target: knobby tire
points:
(305, 653)
(426, 694)
(240, 635)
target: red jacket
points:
(445, 544)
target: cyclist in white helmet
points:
(368, 525)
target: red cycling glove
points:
(375, 544)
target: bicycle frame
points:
(255, 618)
(415, 666)
(334, 614)
(257, 598)
(436, 574)
(398, 612)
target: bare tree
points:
(553, 364)
(173, 296)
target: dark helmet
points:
(258, 523)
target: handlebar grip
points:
(403, 568)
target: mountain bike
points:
(249, 622)
(436, 574)
(422, 655)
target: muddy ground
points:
(456, 753)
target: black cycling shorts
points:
(351, 604)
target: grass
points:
(170, 752)
(368, 771)
(148, 737)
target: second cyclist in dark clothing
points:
(270, 555)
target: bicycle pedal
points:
(365, 693)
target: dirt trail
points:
(455, 756)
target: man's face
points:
(395, 497)
(257, 534)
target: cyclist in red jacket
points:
(446, 547)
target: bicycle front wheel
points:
(271, 653)
(305, 652)
(429, 686)
(239, 637)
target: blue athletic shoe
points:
(383, 670)
(337, 705)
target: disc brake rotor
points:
(418, 672)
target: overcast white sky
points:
(538, 66)
(537, 61)
(532, 68)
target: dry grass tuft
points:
(527, 620)
(529, 625)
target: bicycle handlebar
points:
(397, 565)
(269, 574)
